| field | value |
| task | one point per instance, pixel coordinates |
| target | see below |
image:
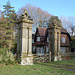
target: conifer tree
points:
(10, 23)
(2, 31)
(54, 20)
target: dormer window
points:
(38, 38)
(63, 39)
(47, 39)
(32, 40)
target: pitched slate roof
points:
(42, 31)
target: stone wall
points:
(69, 54)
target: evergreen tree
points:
(55, 21)
(2, 31)
(10, 24)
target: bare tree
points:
(71, 21)
(69, 24)
(39, 16)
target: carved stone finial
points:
(55, 22)
(25, 12)
(25, 17)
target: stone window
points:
(63, 39)
(38, 38)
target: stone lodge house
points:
(41, 39)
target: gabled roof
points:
(42, 31)
(63, 31)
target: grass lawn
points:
(65, 67)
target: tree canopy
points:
(55, 21)
(39, 16)
(7, 25)
(69, 24)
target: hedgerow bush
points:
(7, 57)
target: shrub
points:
(7, 57)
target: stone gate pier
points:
(54, 44)
(24, 40)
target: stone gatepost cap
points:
(25, 18)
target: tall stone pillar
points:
(30, 42)
(49, 44)
(25, 25)
(26, 41)
(54, 44)
(58, 42)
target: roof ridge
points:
(42, 27)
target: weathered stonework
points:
(54, 44)
(27, 61)
(24, 42)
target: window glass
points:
(42, 50)
(63, 39)
(38, 50)
(38, 38)
(47, 50)
(32, 40)
(33, 48)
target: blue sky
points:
(54, 7)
